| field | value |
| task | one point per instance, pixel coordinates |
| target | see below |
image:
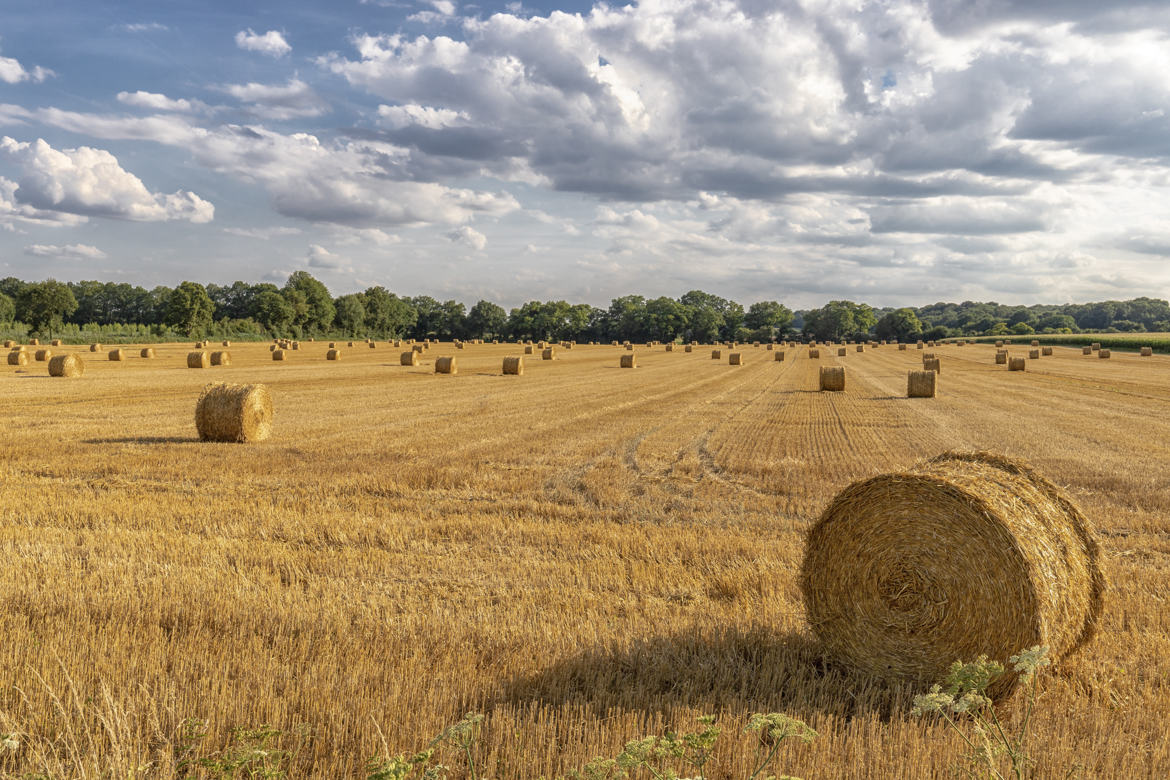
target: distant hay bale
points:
(529, 350)
(333, 354)
(1001, 358)
(349, 344)
(1017, 364)
(373, 345)
(832, 378)
(95, 347)
(716, 354)
(814, 354)
(921, 384)
(1096, 345)
(1147, 351)
(1046, 351)
(117, 355)
(770, 347)
(198, 359)
(19, 348)
(629, 361)
(934, 364)
(43, 355)
(417, 348)
(918, 345)
(901, 347)
(271, 347)
(735, 359)
(34, 342)
(1103, 354)
(146, 352)
(1086, 350)
(779, 356)
(629, 347)
(842, 352)
(446, 364)
(66, 366)
(670, 347)
(1033, 354)
(860, 348)
(225, 343)
(278, 354)
(221, 358)
(234, 413)
(962, 555)
(56, 342)
(999, 344)
(513, 366)
(332, 345)
(9, 343)
(296, 345)
(1035, 342)
(17, 358)
(548, 353)
(410, 358)
(688, 348)
(928, 356)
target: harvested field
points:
(586, 556)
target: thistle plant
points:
(964, 699)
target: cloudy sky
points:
(896, 152)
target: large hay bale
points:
(770, 347)
(1086, 350)
(446, 365)
(43, 355)
(513, 366)
(1001, 358)
(963, 555)
(221, 358)
(629, 361)
(333, 354)
(716, 354)
(918, 345)
(779, 356)
(670, 347)
(199, 359)
(236, 413)
(934, 364)
(17, 358)
(928, 356)
(1046, 351)
(735, 359)
(1103, 354)
(95, 347)
(146, 352)
(117, 355)
(841, 352)
(66, 365)
(1147, 351)
(548, 353)
(529, 350)
(999, 344)
(629, 347)
(1033, 354)
(278, 354)
(1017, 364)
(814, 354)
(296, 345)
(921, 384)
(833, 378)
(410, 358)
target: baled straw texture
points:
(1035, 343)
(716, 354)
(34, 342)
(1046, 351)
(221, 358)
(1001, 358)
(629, 361)
(841, 351)
(548, 353)
(1096, 345)
(66, 365)
(1086, 350)
(97, 347)
(446, 365)
(278, 354)
(735, 359)
(933, 364)
(16, 358)
(779, 356)
(146, 352)
(901, 347)
(56, 342)
(513, 366)
(529, 350)
(1147, 351)
(688, 348)
(1033, 354)
(670, 347)
(226, 343)
(1017, 364)
(833, 378)
(9, 343)
(117, 354)
(198, 359)
(1103, 354)
(814, 354)
(409, 358)
(965, 554)
(333, 354)
(43, 355)
(860, 348)
(921, 384)
(237, 413)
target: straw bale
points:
(17, 358)
(117, 354)
(1096, 345)
(1147, 351)
(1035, 342)
(548, 353)
(42, 355)
(332, 345)
(901, 347)
(1086, 350)
(1103, 354)
(66, 365)
(963, 555)
(1017, 364)
(198, 359)
(446, 364)
(670, 347)
(514, 366)
(833, 378)
(235, 413)
(1001, 358)
(146, 352)
(96, 347)
(921, 384)
(221, 358)
(688, 348)
(1033, 354)
(934, 364)
(841, 352)
(529, 350)
(278, 354)
(735, 359)
(9, 343)
(349, 343)
(1046, 351)
(716, 354)
(999, 344)
(928, 356)
(56, 342)
(410, 358)
(770, 347)
(918, 345)
(296, 345)
(373, 345)
(629, 361)
(34, 342)
(814, 354)
(629, 347)
(779, 356)
(333, 354)
(860, 348)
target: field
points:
(583, 554)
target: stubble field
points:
(583, 554)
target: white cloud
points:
(271, 43)
(137, 27)
(468, 236)
(66, 252)
(13, 213)
(320, 257)
(423, 116)
(263, 234)
(157, 102)
(272, 101)
(12, 72)
(90, 182)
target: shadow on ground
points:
(146, 440)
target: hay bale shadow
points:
(145, 440)
(747, 671)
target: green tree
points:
(319, 311)
(626, 320)
(839, 319)
(900, 324)
(486, 320)
(351, 313)
(452, 322)
(45, 305)
(273, 311)
(428, 316)
(664, 319)
(769, 315)
(190, 309)
(7, 309)
(387, 315)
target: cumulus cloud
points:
(263, 234)
(468, 236)
(13, 212)
(320, 257)
(274, 101)
(66, 252)
(90, 182)
(12, 72)
(271, 43)
(157, 102)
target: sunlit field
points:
(583, 554)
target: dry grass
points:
(585, 556)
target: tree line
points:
(303, 307)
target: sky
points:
(896, 152)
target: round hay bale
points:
(528, 350)
(1046, 351)
(42, 355)
(34, 342)
(814, 354)
(1147, 351)
(1001, 358)
(9, 343)
(235, 413)
(1017, 364)
(56, 342)
(860, 348)
(1086, 350)
(716, 354)
(1033, 354)
(373, 345)
(17, 358)
(688, 348)
(278, 354)
(513, 366)
(833, 378)
(417, 348)
(96, 347)
(225, 343)
(200, 344)
(349, 343)
(928, 356)
(221, 358)
(271, 347)
(1103, 354)
(66, 365)
(409, 358)
(901, 347)
(629, 361)
(333, 354)
(779, 356)
(198, 359)
(842, 352)
(999, 344)
(629, 347)
(921, 384)
(548, 353)
(446, 364)
(735, 359)
(1096, 345)
(296, 345)
(670, 347)
(1035, 342)
(963, 555)
(769, 347)
(117, 355)
(934, 364)
(918, 345)
(146, 352)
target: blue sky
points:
(897, 152)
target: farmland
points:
(584, 554)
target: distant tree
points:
(351, 313)
(768, 316)
(190, 309)
(7, 309)
(318, 310)
(1057, 322)
(900, 324)
(44, 305)
(273, 311)
(452, 320)
(839, 319)
(12, 287)
(936, 333)
(428, 316)
(486, 320)
(664, 319)
(387, 315)
(626, 320)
